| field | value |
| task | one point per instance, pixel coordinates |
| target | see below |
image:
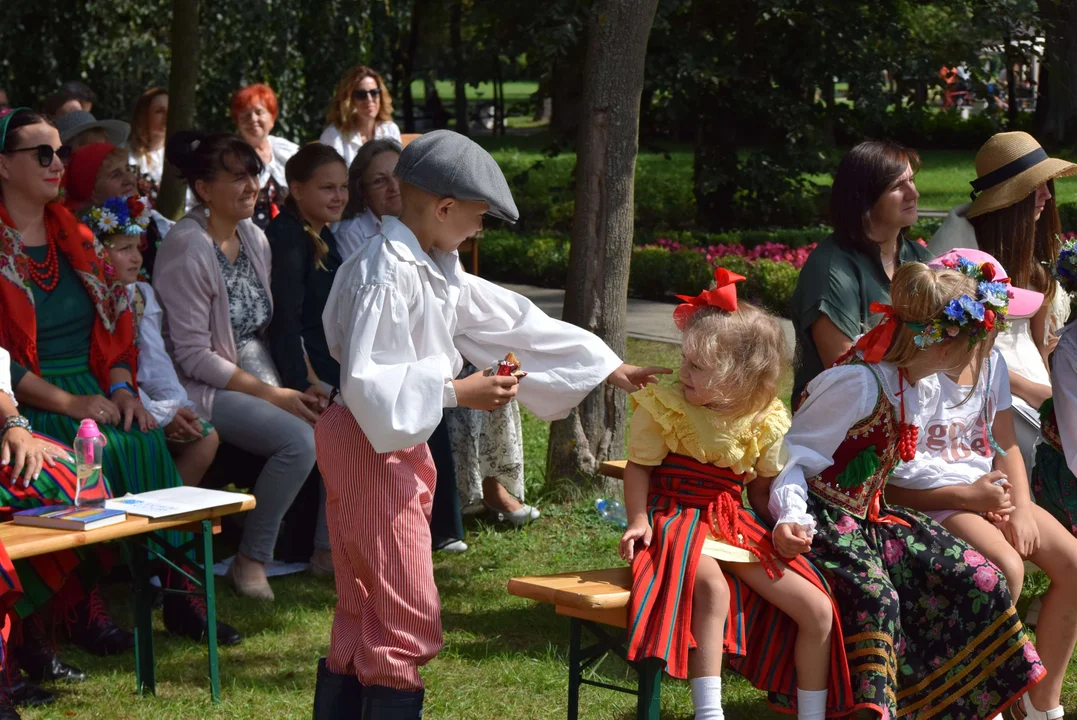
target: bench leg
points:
(650, 689)
(574, 671)
(144, 673)
(211, 610)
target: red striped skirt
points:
(689, 500)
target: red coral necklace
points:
(46, 274)
(907, 434)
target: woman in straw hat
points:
(1014, 217)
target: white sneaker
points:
(456, 546)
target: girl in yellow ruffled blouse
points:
(706, 576)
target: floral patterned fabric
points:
(248, 303)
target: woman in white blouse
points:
(373, 193)
(362, 110)
(254, 111)
(147, 143)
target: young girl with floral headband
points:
(929, 626)
(119, 223)
(701, 562)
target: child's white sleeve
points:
(837, 399)
(155, 372)
(396, 398)
(1064, 391)
(5, 374)
(563, 362)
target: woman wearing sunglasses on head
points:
(361, 111)
(66, 322)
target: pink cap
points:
(1023, 303)
(88, 429)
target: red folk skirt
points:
(689, 500)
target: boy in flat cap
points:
(401, 314)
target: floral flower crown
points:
(1065, 270)
(978, 316)
(119, 216)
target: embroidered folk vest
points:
(864, 460)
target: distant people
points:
(80, 128)
(254, 111)
(149, 121)
(373, 192)
(362, 110)
(72, 95)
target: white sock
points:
(811, 704)
(707, 697)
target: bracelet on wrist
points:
(123, 386)
(14, 421)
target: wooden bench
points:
(598, 601)
(25, 542)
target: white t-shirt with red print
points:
(954, 447)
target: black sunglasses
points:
(45, 153)
(364, 94)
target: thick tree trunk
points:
(455, 21)
(597, 285)
(1060, 62)
(182, 82)
(1011, 87)
(409, 68)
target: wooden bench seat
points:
(597, 595)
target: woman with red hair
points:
(362, 110)
(254, 111)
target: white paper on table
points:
(173, 501)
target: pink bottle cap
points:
(88, 429)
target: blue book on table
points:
(69, 517)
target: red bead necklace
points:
(46, 274)
(907, 434)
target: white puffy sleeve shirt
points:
(396, 316)
(159, 387)
(838, 399)
(1064, 391)
(5, 374)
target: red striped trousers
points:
(388, 617)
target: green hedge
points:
(655, 273)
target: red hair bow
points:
(877, 341)
(724, 296)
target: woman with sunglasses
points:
(67, 325)
(361, 111)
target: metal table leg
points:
(211, 609)
(144, 660)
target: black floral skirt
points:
(930, 628)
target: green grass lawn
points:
(503, 656)
(484, 91)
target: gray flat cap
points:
(448, 164)
(78, 121)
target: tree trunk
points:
(1060, 62)
(409, 68)
(455, 21)
(597, 284)
(182, 82)
(828, 95)
(1011, 87)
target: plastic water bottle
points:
(89, 448)
(612, 511)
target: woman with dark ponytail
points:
(212, 278)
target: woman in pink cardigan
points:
(212, 278)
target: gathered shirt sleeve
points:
(1064, 392)
(156, 373)
(5, 374)
(395, 396)
(646, 443)
(838, 399)
(832, 290)
(563, 362)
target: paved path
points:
(647, 320)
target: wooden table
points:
(24, 542)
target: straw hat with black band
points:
(1009, 168)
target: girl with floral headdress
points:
(969, 476)
(929, 625)
(700, 560)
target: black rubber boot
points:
(336, 696)
(385, 703)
